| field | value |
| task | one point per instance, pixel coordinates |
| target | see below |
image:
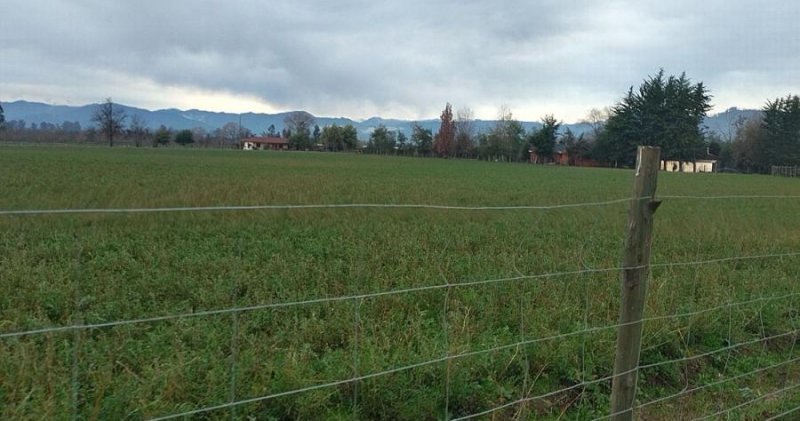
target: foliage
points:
(298, 125)
(162, 136)
(578, 148)
(665, 112)
(2, 118)
(421, 139)
(773, 138)
(184, 137)
(109, 120)
(782, 126)
(317, 133)
(402, 142)
(543, 141)
(465, 133)
(505, 142)
(444, 143)
(382, 141)
(337, 138)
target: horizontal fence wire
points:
(750, 402)
(23, 212)
(783, 414)
(604, 379)
(512, 346)
(206, 313)
(705, 386)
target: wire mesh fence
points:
(453, 365)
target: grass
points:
(63, 269)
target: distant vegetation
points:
(667, 111)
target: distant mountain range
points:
(35, 112)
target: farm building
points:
(700, 165)
(559, 156)
(705, 163)
(562, 157)
(265, 143)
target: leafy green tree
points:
(665, 112)
(2, 118)
(162, 136)
(337, 138)
(381, 141)
(349, 137)
(402, 141)
(422, 139)
(271, 132)
(782, 125)
(184, 137)
(317, 133)
(506, 141)
(543, 141)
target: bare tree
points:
(597, 119)
(137, 129)
(229, 134)
(299, 122)
(109, 119)
(465, 132)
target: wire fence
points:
(791, 299)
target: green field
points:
(60, 270)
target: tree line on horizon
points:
(665, 111)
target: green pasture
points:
(472, 347)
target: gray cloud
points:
(402, 59)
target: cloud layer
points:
(396, 58)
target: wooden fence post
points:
(634, 282)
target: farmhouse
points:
(265, 143)
(561, 156)
(706, 163)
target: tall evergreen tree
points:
(781, 123)
(544, 139)
(665, 112)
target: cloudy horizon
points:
(392, 59)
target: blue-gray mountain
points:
(34, 112)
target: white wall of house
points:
(702, 165)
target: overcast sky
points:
(402, 59)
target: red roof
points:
(266, 140)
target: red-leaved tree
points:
(445, 141)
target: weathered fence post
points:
(636, 263)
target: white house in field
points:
(265, 143)
(705, 163)
(700, 165)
